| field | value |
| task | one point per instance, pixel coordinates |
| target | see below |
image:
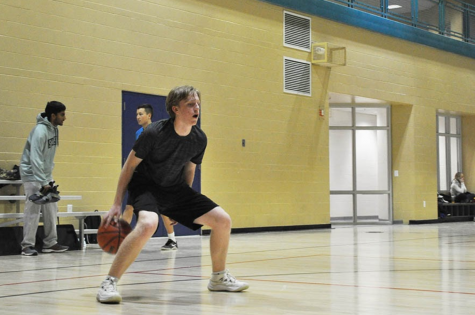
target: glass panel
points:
(471, 24)
(454, 156)
(428, 18)
(441, 124)
(340, 117)
(368, 116)
(341, 208)
(453, 125)
(341, 160)
(370, 6)
(400, 10)
(442, 164)
(372, 207)
(427, 15)
(453, 21)
(371, 160)
(341, 2)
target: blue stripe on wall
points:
(342, 14)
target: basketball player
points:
(144, 119)
(164, 160)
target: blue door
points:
(130, 102)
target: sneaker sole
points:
(168, 249)
(110, 300)
(227, 289)
(54, 251)
(25, 254)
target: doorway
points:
(360, 168)
(130, 102)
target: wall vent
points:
(297, 76)
(297, 31)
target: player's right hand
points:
(113, 215)
(45, 189)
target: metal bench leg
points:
(81, 232)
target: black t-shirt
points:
(165, 153)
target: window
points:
(360, 181)
(449, 145)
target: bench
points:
(18, 216)
(14, 197)
(2, 215)
(78, 215)
(17, 184)
(458, 209)
(19, 197)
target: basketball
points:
(110, 238)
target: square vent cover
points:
(297, 31)
(297, 76)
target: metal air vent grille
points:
(297, 31)
(297, 76)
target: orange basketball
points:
(110, 238)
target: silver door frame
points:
(355, 192)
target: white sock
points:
(172, 236)
(114, 279)
(217, 275)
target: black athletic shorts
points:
(180, 203)
(129, 200)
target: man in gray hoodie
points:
(36, 168)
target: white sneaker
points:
(108, 291)
(224, 281)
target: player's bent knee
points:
(223, 221)
(148, 227)
(215, 219)
(226, 221)
(148, 222)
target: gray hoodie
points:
(457, 188)
(36, 163)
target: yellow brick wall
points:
(86, 53)
(468, 154)
(403, 160)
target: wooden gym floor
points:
(400, 269)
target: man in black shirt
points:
(158, 174)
